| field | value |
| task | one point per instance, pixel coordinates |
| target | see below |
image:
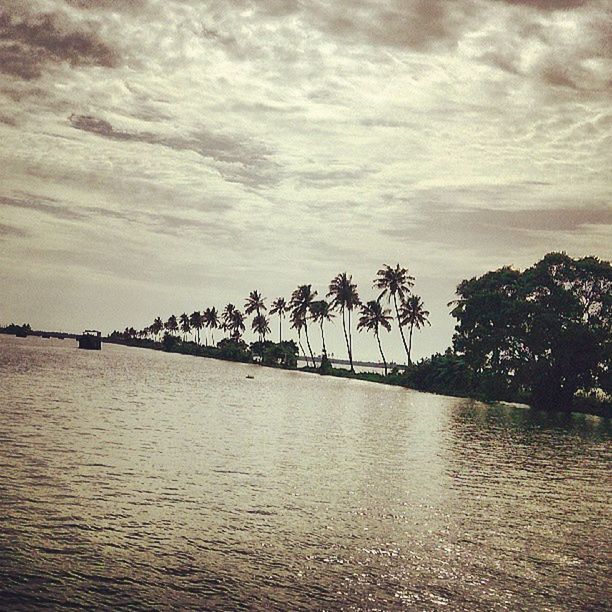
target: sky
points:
(160, 156)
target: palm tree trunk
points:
(350, 342)
(323, 339)
(308, 343)
(348, 346)
(380, 349)
(280, 328)
(302, 348)
(410, 343)
(401, 327)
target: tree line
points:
(394, 285)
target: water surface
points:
(131, 478)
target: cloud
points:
(11, 230)
(238, 159)
(549, 5)
(48, 207)
(30, 42)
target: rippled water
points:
(136, 479)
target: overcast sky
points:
(162, 156)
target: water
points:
(132, 479)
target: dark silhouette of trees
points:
(185, 326)
(254, 303)
(395, 283)
(544, 332)
(157, 327)
(413, 314)
(260, 325)
(196, 321)
(171, 325)
(279, 307)
(236, 324)
(226, 317)
(344, 296)
(301, 299)
(373, 316)
(320, 311)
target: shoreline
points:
(603, 411)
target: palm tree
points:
(279, 307)
(254, 303)
(157, 326)
(297, 323)
(320, 311)
(212, 320)
(344, 296)
(171, 325)
(301, 299)
(414, 314)
(185, 326)
(260, 325)
(197, 322)
(372, 317)
(236, 324)
(226, 316)
(394, 283)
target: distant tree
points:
(260, 326)
(301, 299)
(226, 316)
(545, 331)
(279, 307)
(413, 314)
(254, 303)
(236, 325)
(320, 311)
(344, 296)
(211, 319)
(157, 327)
(185, 325)
(395, 283)
(196, 320)
(171, 325)
(373, 316)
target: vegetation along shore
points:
(541, 336)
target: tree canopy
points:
(544, 332)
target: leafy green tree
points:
(344, 296)
(395, 283)
(171, 325)
(374, 316)
(301, 299)
(196, 321)
(279, 307)
(545, 332)
(413, 314)
(320, 311)
(185, 325)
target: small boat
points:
(249, 376)
(91, 340)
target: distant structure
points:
(91, 340)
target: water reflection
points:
(138, 479)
